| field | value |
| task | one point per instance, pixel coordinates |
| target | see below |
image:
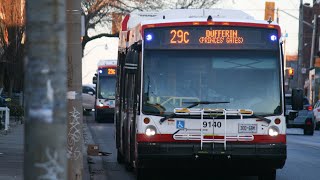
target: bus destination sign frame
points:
(211, 37)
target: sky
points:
(287, 23)
(106, 48)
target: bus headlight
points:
(273, 131)
(150, 131)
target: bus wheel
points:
(120, 158)
(129, 167)
(268, 175)
(308, 131)
(141, 174)
(97, 117)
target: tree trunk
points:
(45, 154)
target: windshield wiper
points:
(262, 118)
(193, 104)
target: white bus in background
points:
(105, 80)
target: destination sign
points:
(211, 37)
(107, 71)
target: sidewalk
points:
(11, 153)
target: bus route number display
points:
(211, 37)
(111, 71)
(179, 36)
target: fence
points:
(5, 112)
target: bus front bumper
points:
(262, 155)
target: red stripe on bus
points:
(125, 23)
(107, 66)
(102, 107)
(281, 138)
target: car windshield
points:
(246, 79)
(106, 87)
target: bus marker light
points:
(100, 71)
(273, 37)
(149, 37)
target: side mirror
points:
(297, 99)
(94, 80)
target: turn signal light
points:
(277, 121)
(146, 120)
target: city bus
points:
(200, 88)
(105, 80)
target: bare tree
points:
(12, 28)
(97, 12)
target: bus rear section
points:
(205, 93)
(105, 95)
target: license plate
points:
(247, 128)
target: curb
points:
(93, 165)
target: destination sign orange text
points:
(221, 36)
(111, 71)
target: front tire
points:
(269, 175)
(141, 174)
(317, 125)
(308, 131)
(120, 158)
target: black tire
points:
(308, 131)
(97, 117)
(268, 175)
(128, 167)
(141, 174)
(120, 158)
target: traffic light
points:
(269, 11)
(290, 73)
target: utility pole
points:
(313, 40)
(45, 91)
(300, 46)
(74, 98)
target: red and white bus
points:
(203, 87)
(105, 81)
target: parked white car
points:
(88, 97)
(316, 112)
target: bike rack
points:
(199, 134)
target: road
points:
(303, 162)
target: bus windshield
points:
(106, 87)
(246, 79)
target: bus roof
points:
(107, 62)
(189, 15)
